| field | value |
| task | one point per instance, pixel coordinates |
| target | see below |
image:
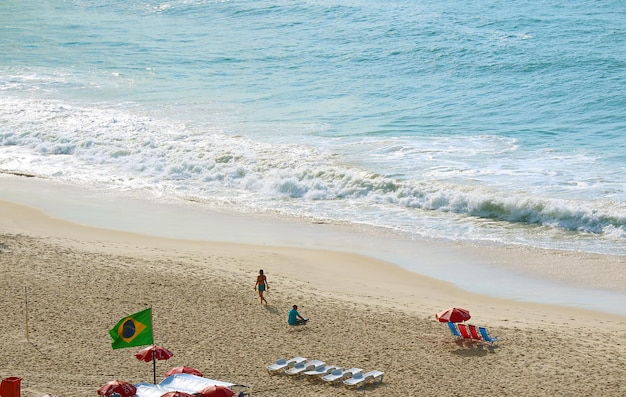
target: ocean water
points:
(484, 122)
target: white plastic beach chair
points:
(282, 364)
(320, 371)
(360, 379)
(338, 374)
(302, 367)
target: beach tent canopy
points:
(187, 383)
(191, 383)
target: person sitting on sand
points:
(295, 318)
(261, 283)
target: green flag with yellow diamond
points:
(134, 330)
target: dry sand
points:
(79, 281)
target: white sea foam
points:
(113, 147)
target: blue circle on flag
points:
(128, 329)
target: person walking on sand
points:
(261, 285)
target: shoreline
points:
(386, 284)
(523, 274)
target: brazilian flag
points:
(134, 330)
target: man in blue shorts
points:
(295, 318)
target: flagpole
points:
(26, 310)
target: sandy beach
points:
(367, 313)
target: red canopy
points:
(121, 387)
(453, 315)
(216, 391)
(160, 353)
(177, 394)
(183, 370)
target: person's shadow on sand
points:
(271, 309)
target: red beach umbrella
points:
(453, 315)
(153, 353)
(183, 370)
(150, 353)
(121, 387)
(216, 391)
(177, 394)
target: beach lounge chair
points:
(303, 367)
(339, 375)
(282, 364)
(453, 330)
(486, 337)
(464, 332)
(474, 332)
(361, 379)
(320, 371)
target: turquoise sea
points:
(484, 122)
